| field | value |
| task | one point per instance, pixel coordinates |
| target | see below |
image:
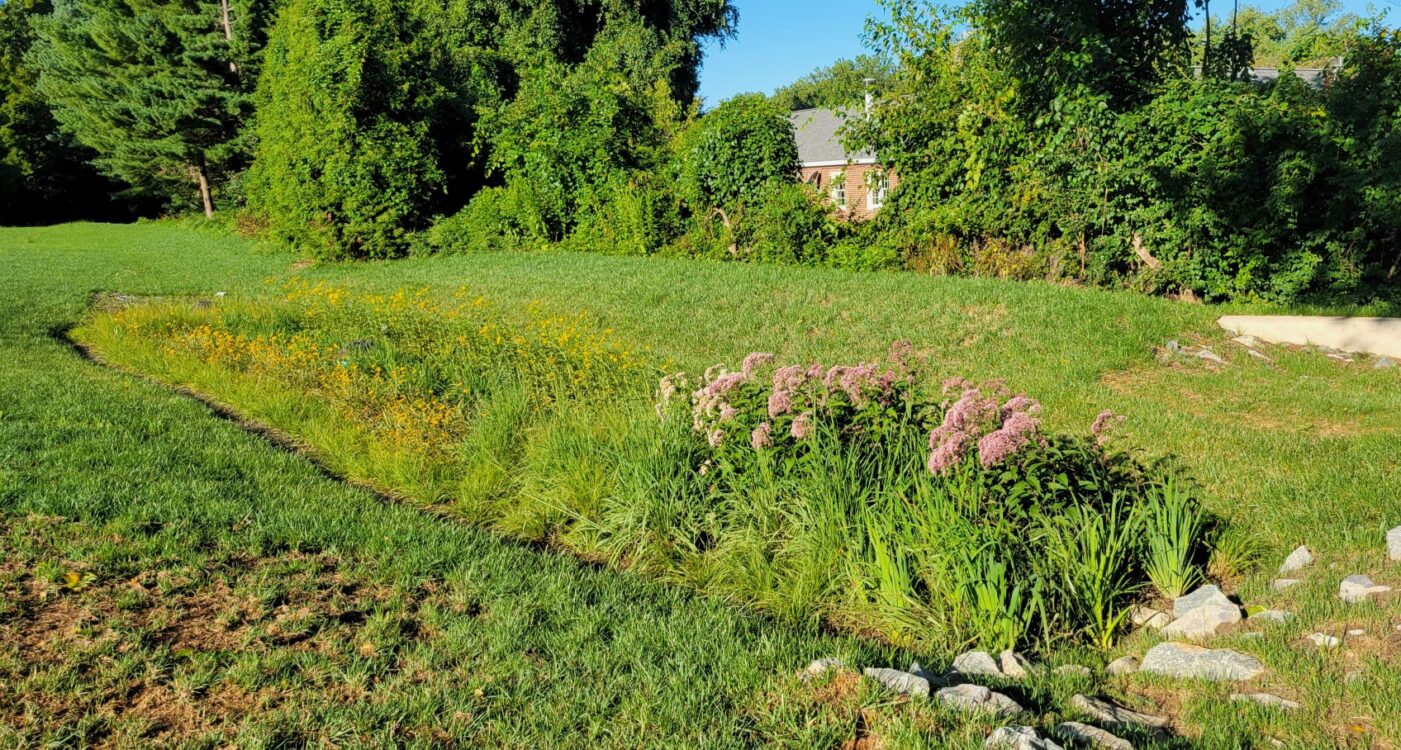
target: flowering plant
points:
(766, 409)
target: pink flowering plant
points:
(959, 515)
(764, 411)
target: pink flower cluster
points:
(1103, 425)
(794, 395)
(998, 430)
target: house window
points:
(838, 189)
(878, 189)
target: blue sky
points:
(783, 40)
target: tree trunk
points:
(228, 31)
(204, 195)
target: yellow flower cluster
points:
(397, 365)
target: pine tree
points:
(44, 174)
(160, 89)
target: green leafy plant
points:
(1173, 525)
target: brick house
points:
(855, 183)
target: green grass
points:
(1299, 450)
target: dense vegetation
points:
(1066, 140)
(856, 494)
(323, 612)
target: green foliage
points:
(729, 155)
(1174, 527)
(839, 85)
(1117, 51)
(1222, 189)
(376, 116)
(352, 154)
(788, 223)
(44, 174)
(572, 129)
(1305, 33)
(161, 91)
(1033, 547)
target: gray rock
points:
(1203, 622)
(1073, 670)
(1356, 632)
(899, 682)
(1257, 355)
(1210, 356)
(1200, 598)
(1189, 661)
(1323, 640)
(1018, 738)
(978, 698)
(1015, 665)
(1144, 616)
(1356, 589)
(820, 667)
(1173, 346)
(977, 663)
(1281, 584)
(1393, 543)
(1385, 363)
(1247, 341)
(1272, 616)
(1298, 560)
(1074, 731)
(1265, 699)
(1343, 357)
(1148, 617)
(1113, 715)
(1123, 665)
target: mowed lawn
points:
(214, 570)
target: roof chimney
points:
(870, 96)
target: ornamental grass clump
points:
(934, 514)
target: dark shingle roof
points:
(815, 130)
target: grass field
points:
(290, 609)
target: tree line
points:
(1075, 140)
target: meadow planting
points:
(887, 496)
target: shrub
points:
(960, 520)
(788, 223)
(497, 219)
(351, 154)
(634, 214)
(729, 155)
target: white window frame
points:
(877, 190)
(836, 190)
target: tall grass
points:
(546, 429)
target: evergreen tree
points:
(44, 175)
(159, 89)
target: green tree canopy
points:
(377, 115)
(841, 84)
(44, 174)
(1116, 49)
(732, 153)
(159, 89)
